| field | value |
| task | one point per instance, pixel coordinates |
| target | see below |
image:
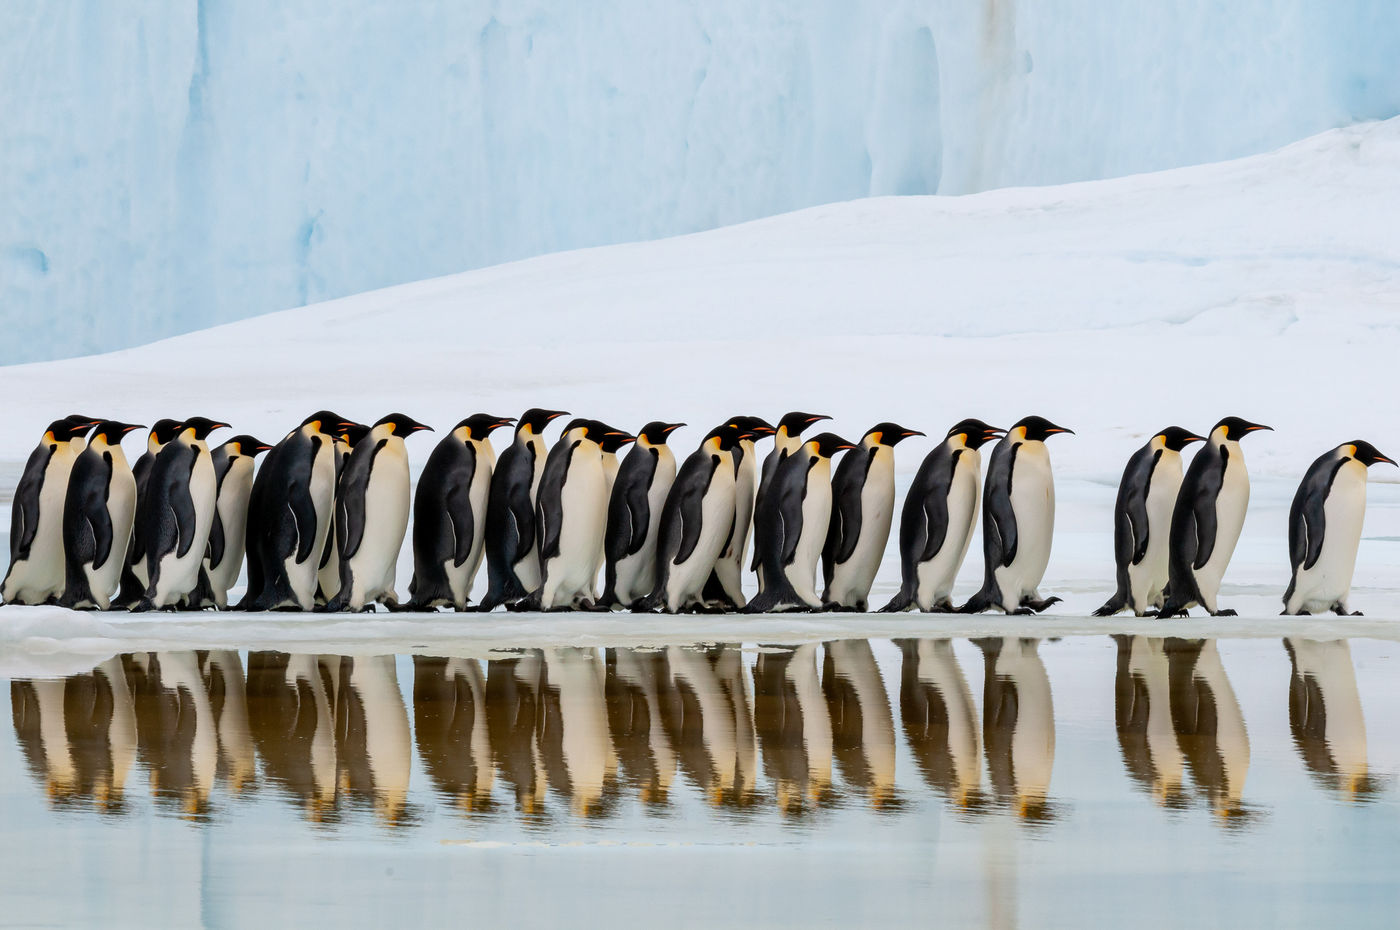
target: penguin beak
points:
(671, 428)
(219, 425)
(815, 419)
(1193, 438)
(626, 437)
(912, 432)
(1059, 429)
(130, 427)
(1254, 427)
(262, 448)
(994, 432)
(504, 421)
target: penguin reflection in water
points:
(1018, 520)
(1142, 518)
(1207, 519)
(1324, 529)
(371, 514)
(571, 516)
(940, 511)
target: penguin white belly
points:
(584, 516)
(730, 565)
(1148, 578)
(851, 579)
(1033, 502)
(1328, 582)
(636, 574)
(461, 577)
(686, 581)
(232, 508)
(121, 510)
(816, 519)
(386, 519)
(1230, 506)
(302, 576)
(42, 574)
(180, 573)
(936, 576)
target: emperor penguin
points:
(940, 510)
(37, 566)
(371, 514)
(328, 575)
(1142, 519)
(572, 515)
(787, 438)
(790, 526)
(1018, 520)
(1324, 529)
(290, 513)
(233, 479)
(634, 516)
(449, 514)
(610, 446)
(97, 516)
(725, 588)
(133, 582)
(1206, 520)
(174, 522)
(512, 544)
(695, 522)
(862, 509)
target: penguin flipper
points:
(24, 521)
(216, 540)
(1131, 540)
(303, 511)
(458, 503)
(1307, 522)
(689, 510)
(846, 491)
(1203, 508)
(935, 509)
(1002, 518)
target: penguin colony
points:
(321, 523)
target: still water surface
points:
(1004, 782)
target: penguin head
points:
(724, 438)
(612, 439)
(793, 424)
(752, 428)
(112, 431)
(481, 425)
(1235, 429)
(349, 433)
(1038, 429)
(536, 419)
(975, 433)
(657, 432)
(202, 426)
(827, 444)
(162, 431)
(397, 424)
(1176, 438)
(1366, 454)
(323, 421)
(65, 431)
(888, 434)
(245, 445)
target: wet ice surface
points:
(1010, 781)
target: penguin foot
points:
(143, 605)
(1227, 612)
(1039, 605)
(1356, 613)
(1023, 612)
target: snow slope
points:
(170, 164)
(1263, 287)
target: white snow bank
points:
(1264, 288)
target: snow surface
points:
(170, 165)
(1263, 287)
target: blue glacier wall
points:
(170, 164)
